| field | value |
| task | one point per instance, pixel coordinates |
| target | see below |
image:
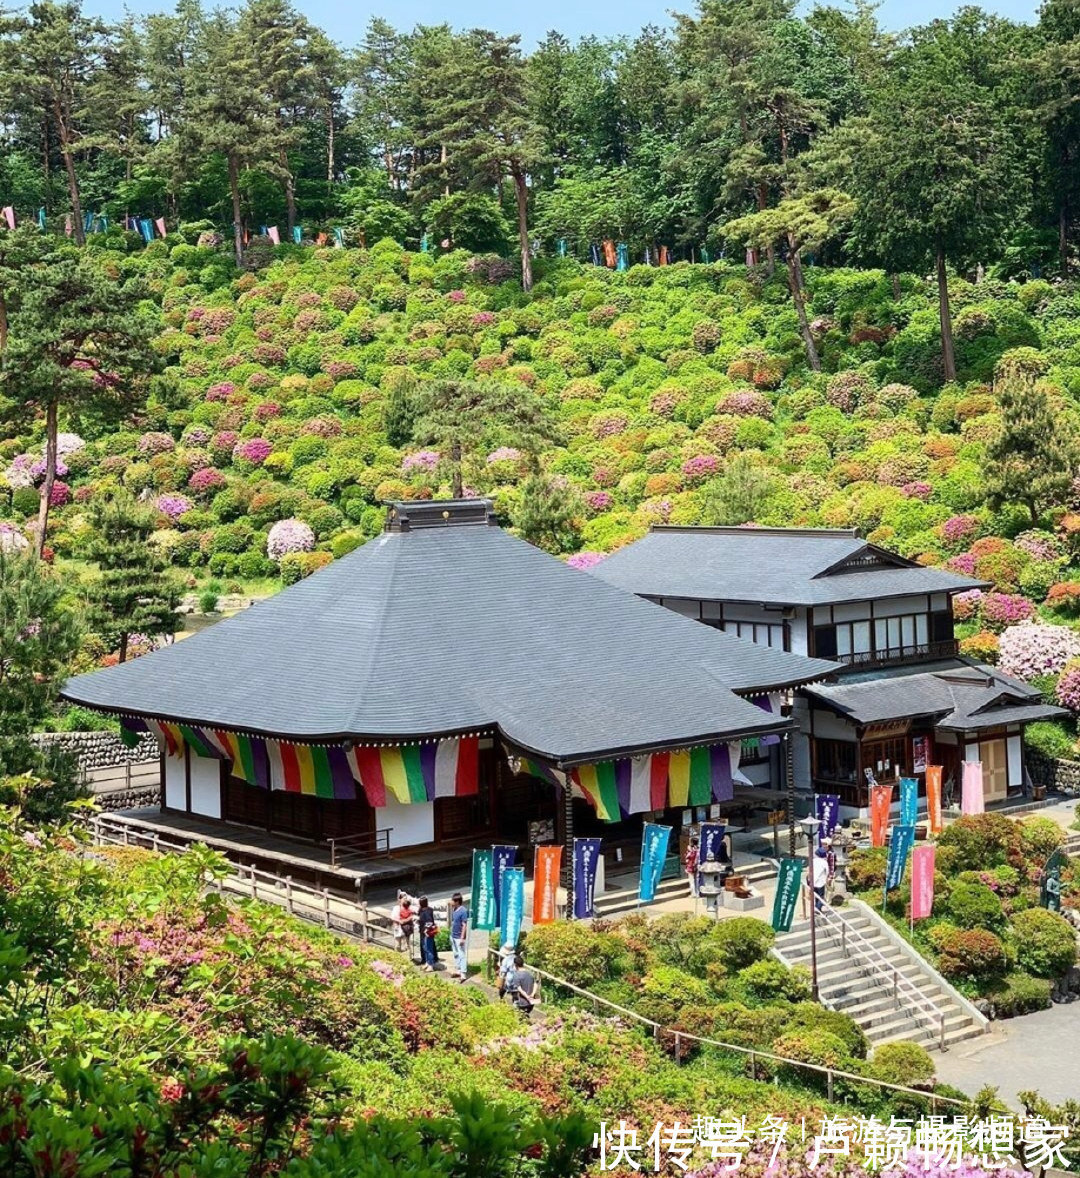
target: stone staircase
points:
(621, 894)
(1072, 843)
(865, 973)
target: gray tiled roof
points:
(455, 628)
(773, 566)
(962, 697)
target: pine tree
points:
(73, 340)
(548, 514)
(1033, 458)
(740, 494)
(135, 593)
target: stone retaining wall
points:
(129, 799)
(102, 750)
(1054, 773)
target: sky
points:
(344, 21)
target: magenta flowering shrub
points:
(919, 489)
(598, 501)
(289, 535)
(60, 494)
(268, 354)
(455, 296)
(960, 529)
(701, 466)
(1031, 649)
(964, 564)
(254, 450)
(37, 469)
(206, 481)
(267, 410)
(322, 427)
(221, 391)
(664, 403)
(745, 403)
(483, 319)
(340, 369)
(1005, 609)
(584, 560)
(222, 443)
(1040, 545)
(422, 460)
(503, 454)
(174, 506)
(258, 381)
(847, 390)
(156, 443)
(1067, 691)
(608, 425)
(196, 435)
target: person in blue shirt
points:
(459, 935)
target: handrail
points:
(368, 842)
(869, 950)
(830, 1074)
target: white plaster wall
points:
(175, 785)
(851, 611)
(830, 727)
(800, 761)
(412, 824)
(971, 751)
(894, 606)
(205, 785)
(1016, 759)
(939, 601)
(798, 634)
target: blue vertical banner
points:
(586, 857)
(502, 857)
(622, 256)
(298, 234)
(339, 238)
(654, 845)
(425, 245)
(901, 840)
(482, 895)
(710, 842)
(41, 217)
(909, 801)
(560, 247)
(827, 812)
(513, 904)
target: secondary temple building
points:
(447, 685)
(902, 698)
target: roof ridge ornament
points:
(414, 514)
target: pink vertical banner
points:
(9, 217)
(971, 799)
(160, 223)
(273, 234)
(922, 881)
(67, 226)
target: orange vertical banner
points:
(545, 883)
(933, 797)
(880, 805)
(609, 253)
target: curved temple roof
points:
(446, 624)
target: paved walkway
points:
(1038, 1051)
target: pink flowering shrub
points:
(206, 481)
(745, 403)
(1005, 609)
(1040, 545)
(1067, 691)
(221, 391)
(266, 410)
(599, 500)
(173, 506)
(664, 403)
(966, 605)
(1031, 649)
(960, 529)
(584, 560)
(456, 296)
(483, 319)
(222, 443)
(258, 381)
(196, 435)
(847, 390)
(964, 564)
(18, 473)
(254, 450)
(422, 460)
(60, 494)
(156, 443)
(289, 535)
(503, 454)
(919, 489)
(68, 443)
(608, 425)
(37, 469)
(701, 466)
(604, 476)
(322, 427)
(339, 369)
(12, 538)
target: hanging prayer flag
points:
(424, 244)
(546, 864)
(622, 254)
(9, 216)
(700, 777)
(339, 238)
(827, 811)
(705, 254)
(640, 785)
(594, 254)
(654, 845)
(160, 224)
(586, 858)
(513, 905)
(678, 778)
(297, 234)
(502, 858)
(609, 253)
(769, 703)
(597, 783)
(723, 763)
(933, 797)
(909, 800)
(560, 247)
(922, 881)
(273, 234)
(658, 780)
(972, 800)
(482, 896)
(88, 221)
(367, 768)
(880, 805)
(788, 883)
(41, 217)
(900, 843)
(457, 765)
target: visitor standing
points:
(691, 864)
(459, 936)
(821, 875)
(526, 991)
(408, 924)
(429, 930)
(397, 921)
(503, 982)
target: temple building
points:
(903, 696)
(448, 686)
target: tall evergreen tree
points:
(135, 592)
(76, 342)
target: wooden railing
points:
(370, 844)
(897, 656)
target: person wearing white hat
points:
(504, 982)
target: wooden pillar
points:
(789, 777)
(568, 846)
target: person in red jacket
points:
(691, 864)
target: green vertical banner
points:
(483, 891)
(787, 894)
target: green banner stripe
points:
(324, 779)
(414, 773)
(700, 778)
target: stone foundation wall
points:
(1056, 774)
(102, 750)
(129, 799)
